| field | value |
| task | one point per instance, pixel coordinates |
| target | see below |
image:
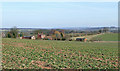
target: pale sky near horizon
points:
(59, 14)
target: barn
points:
(28, 37)
(81, 39)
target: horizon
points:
(57, 28)
(59, 14)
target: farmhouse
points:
(3, 34)
(41, 36)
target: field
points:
(46, 54)
(108, 37)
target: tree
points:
(44, 31)
(57, 34)
(105, 29)
(21, 34)
(8, 35)
(12, 33)
(100, 31)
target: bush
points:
(63, 39)
(70, 39)
(8, 35)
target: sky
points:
(59, 14)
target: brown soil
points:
(40, 64)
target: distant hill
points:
(89, 28)
(67, 28)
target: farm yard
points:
(53, 54)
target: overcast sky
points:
(59, 14)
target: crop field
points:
(108, 37)
(47, 54)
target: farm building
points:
(3, 35)
(28, 37)
(41, 36)
(81, 39)
(49, 37)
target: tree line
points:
(13, 32)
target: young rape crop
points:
(46, 54)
